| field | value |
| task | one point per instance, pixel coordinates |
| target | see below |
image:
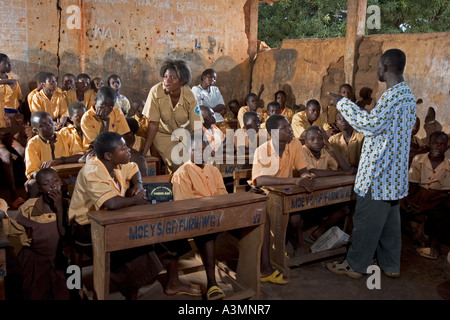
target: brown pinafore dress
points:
(42, 279)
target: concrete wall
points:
(129, 38)
(309, 68)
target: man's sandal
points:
(276, 277)
(215, 293)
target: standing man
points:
(382, 178)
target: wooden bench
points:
(240, 178)
(285, 199)
(148, 224)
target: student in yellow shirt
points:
(96, 84)
(109, 181)
(247, 137)
(76, 112)
(348, 141)
(251, 104)
(281, 98)
(272, 108)
(47, 148)
(273, 164)
(68, 83)
(323, 160)
(196, 179)
(310, 117)
(102, 117)
(136, 112)
(50, 100)
(122, 102)
(82, 93)
(345, 90)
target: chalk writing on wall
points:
(13, 27)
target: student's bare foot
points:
(183, 288)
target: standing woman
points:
(170, 105)
(207, 94)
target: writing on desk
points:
(320, 198)
(174, 226)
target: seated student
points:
(273, 164)
(102, 117)
(428, 196)
(82, 93)
(136, 112)
(281, 98)
(247, 137)
(41, 225)
(417, 145)
(47, 148)
(50, 100)
(221, 121)
(73, 131)
(233, 110)
(96, 84)
(367, 102)
(251, 101)
(348, 141)
(323, 160)
(213, 135)
(272, 108)
(345, 90)
(196, 179)
(122, 102)
(310, 117)
(35, 90)
(109, 181)
(68, 82)
(135, 145)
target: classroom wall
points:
(309, 68)
(129, 38)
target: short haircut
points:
(279, 92)
(251, 94)
(106, 142)
(312, 129)
(75, 106)
(395, 59)
(273, 104)
(233, 101)
(69, 75)
(249, 115)
(273, 122)
(207, 72)
(346, 85)
(42, 172)
(181, 69)
(43, 76)
(3, 57)
(133, 124)
(113, 76)
(83, 76)
(106, 93)
(37, 116)
(438, 134)
(312, 102)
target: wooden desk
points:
(284, 199)
(68, 170)
(229, 165)
(3, 243)
(143, 225)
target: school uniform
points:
(352, 150)
(123, 103)
(210, 97)
(214, 136)
(143, 126)
(88, 99)
(288, 113)
(300, 123)
(223, 126)
(56, 106)
(41, 258)
(325, 162)
(422, 172)
(91, 125)
(266, 161)
(240, 116)
(184, 115)
(31, 95)
(10, 116)
(331, 113)
(131, 268)
(72, 135)
(37, 151)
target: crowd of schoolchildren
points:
(87, 120)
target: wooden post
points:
(356, 23)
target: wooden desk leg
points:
(278, 228)
(2, 272)
(248, 267)
(101, 273)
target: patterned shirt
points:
(383, 166)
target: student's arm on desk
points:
(135, 196)
(62, 160)
(306, 180)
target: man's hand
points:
(140, 197)
(336, 97)
(307, 181)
